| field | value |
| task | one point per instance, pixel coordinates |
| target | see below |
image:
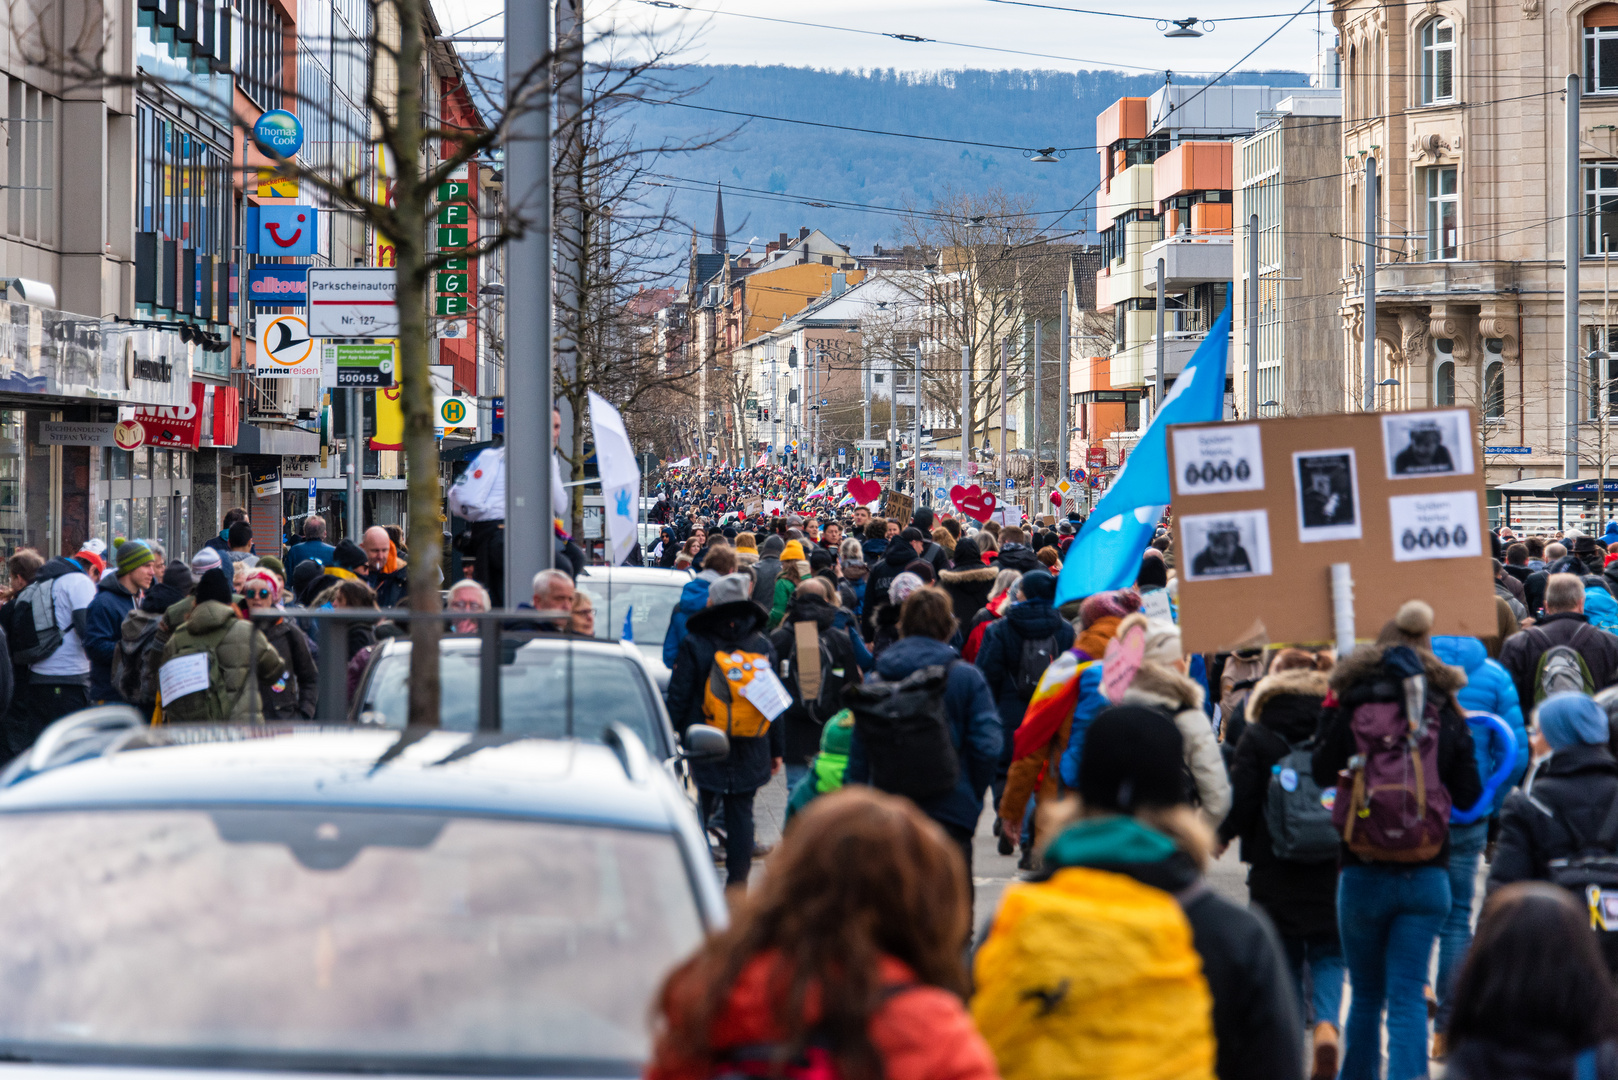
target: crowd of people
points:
(928, 670)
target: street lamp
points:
(1183, 28)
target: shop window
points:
(1438, 62)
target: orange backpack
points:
(723, 704)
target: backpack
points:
(1591, 875)
(811, 672)
(34, 634)
(906, 735)
(1396, 809)
(1037, 654)
(1092, 974)
(1561, 669)
(1296, 813)
(216, 703)
(724, 705)
(128, 660)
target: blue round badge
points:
(278, 132)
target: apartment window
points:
(1444, 384)
(1437, 62)
(1494, 390)
(30, 129)
(1601, 53)
(1601, 208)
(1443, 214)
(259, 62)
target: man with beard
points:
(1223, 554)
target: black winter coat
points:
(803, 724)
(1521, 652)
(1000, 655)
(968, 590)
(1362, 678)
(736, 625)
(296, 694)
(1299, 898)
(1577, 784)
(1018, 557)
(898, 556)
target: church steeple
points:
(719, 220)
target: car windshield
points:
(545, 689)
(632, 610)
(309, 938)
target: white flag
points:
(620, 476)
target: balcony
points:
(1188, 261)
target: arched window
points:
(1437, 62)
(1373, 84)
(1352, 86)
(1494, 390)
(1444, 384)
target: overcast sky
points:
(719, 35)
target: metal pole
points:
(1062, 394)
(893, 423)
(1162, 341)
(356, 466)
(572, 267)
(1005, 360)
(1038, 364)
(1368, 393)
(966, 408)
(530, 541)
(915, 424)
(1252, 317)
(1570, 285)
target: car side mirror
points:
(703, 742)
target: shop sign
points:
(278, 132)
(60, 433)
(175, 426)
(128, 434)
(278, 285)
(285, 349)
(271, 186)
(266, 483)
(221, 415)
(288, 229)
(371, 365)
(498, 407)
(353, 303)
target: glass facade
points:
(144, 494)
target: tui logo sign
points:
(290, 229)
(279, 133)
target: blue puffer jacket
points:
(1000, 655)
(1488, 689)
(1600, 608)
(974, 727)
(693, 598)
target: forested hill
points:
(809, 164)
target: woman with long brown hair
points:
(847, 958)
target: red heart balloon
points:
(973, 501)
(864, 491)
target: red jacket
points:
(924, 1033)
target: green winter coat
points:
(826, 770)
(239, 653)
(784, 588)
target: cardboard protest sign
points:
(1263, 509)
(897, 506)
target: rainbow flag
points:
(822, 488)
(1053, 702)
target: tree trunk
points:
(421, 444)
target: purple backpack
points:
(1390, 805)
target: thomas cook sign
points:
(278, 132)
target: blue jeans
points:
(1322, 958)
(1389, 917)
(1466, 843)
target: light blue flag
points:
(1106, 554)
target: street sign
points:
(1096, 457)
(454, 411)
(1508, 449)
(352, 303)
(285, 349)
(311, 487)
(372, 366)
(842, 453)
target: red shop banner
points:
(177, 427)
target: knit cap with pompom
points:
(1413, 626)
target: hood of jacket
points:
(874, 549)
(1161, 685)
(900, 555)
(1576, 759)
(1466, 653)
(806, 605)
(694, 593)
(1364, 665)
(208, 616)
(1031, 619)
(111, 584)
(1108, 840)
(974, 575)
(58, 567)
(160, 597)
(728, 622)
(855, 570)
(1019, 557)
(908, 654)
(1288, 703)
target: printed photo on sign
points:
(1427, 444)
(1235, 544)
(1445, 525)
(1208, 461)
(1328, 495)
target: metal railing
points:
(331, 626)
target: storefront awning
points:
(281, 442)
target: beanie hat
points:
(273, 565)
(304, 573)
(921, 568)
(1038, 585)
(131, 555)
(819, 559)
(773, 546)
(902, 586)
(214, 586)
(269, 580)
(793, 552)
(203, 561)
(177, 575)
(923, 519)
(348, 555)
(967, 555)
(1571, 718)
(1412, 626)
(1133, 757)
(1118, 602)
(1154, 573)
(729, 589)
